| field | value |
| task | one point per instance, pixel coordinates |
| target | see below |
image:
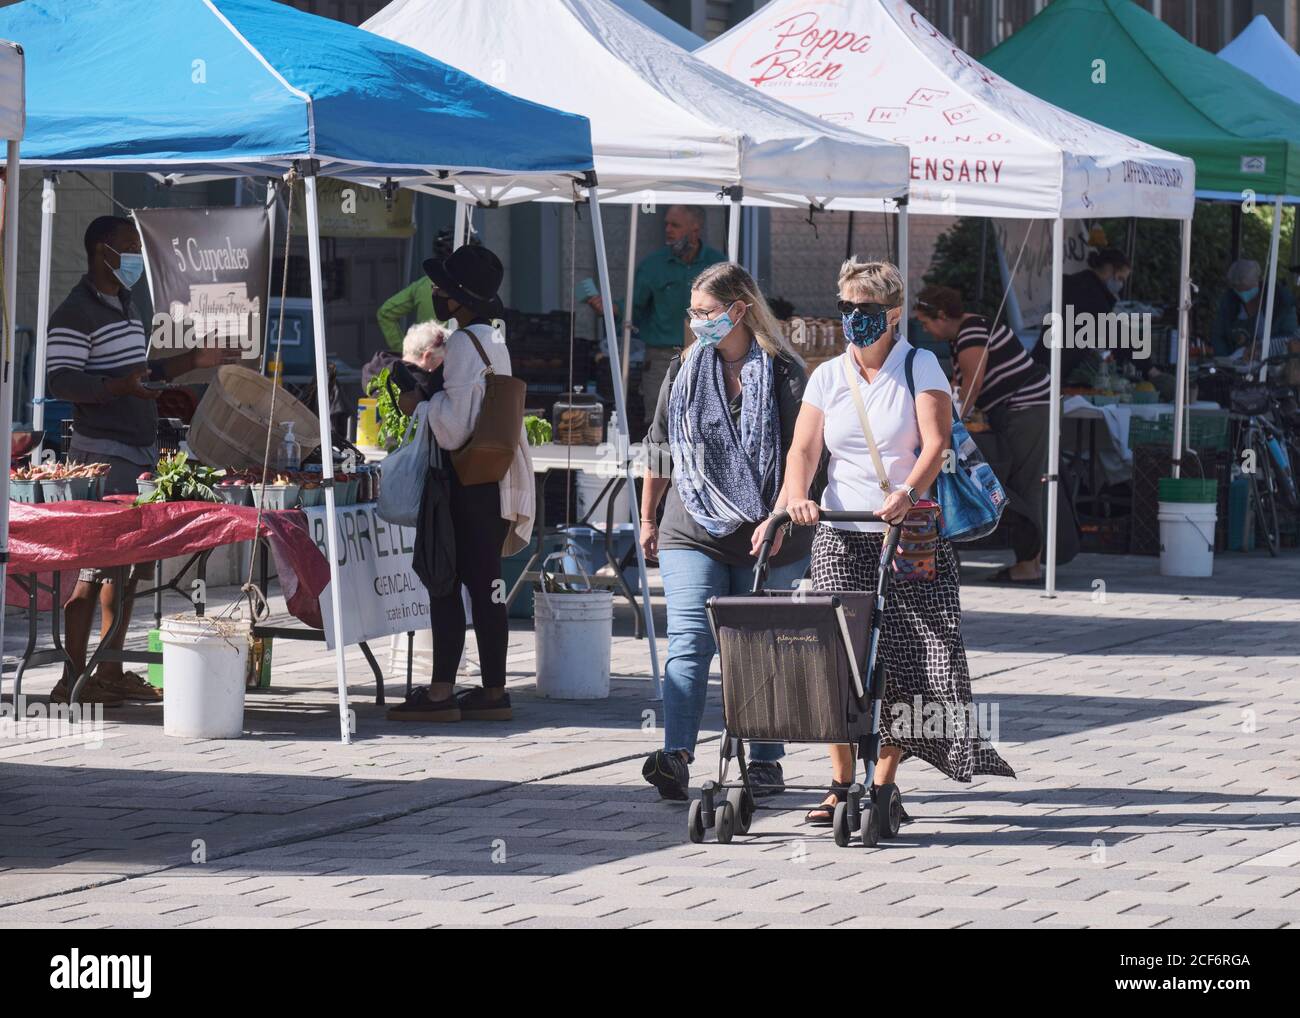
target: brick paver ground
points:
(1153, 724)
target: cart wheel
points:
(744, 807)
(842, 826)
(870, 832)
(695, 822)
(889, 810)
(726, 823)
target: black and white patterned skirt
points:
(927, 710)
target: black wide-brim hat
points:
(471, 275)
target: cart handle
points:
(780, 518)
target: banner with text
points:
(209, 273)
(380, 592)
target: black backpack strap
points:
(907, 368)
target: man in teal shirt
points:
(416, 300)
(663, 293)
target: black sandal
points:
(841, 792)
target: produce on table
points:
(538, 429)
(58, 471)
(177, 479)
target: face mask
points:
(442, 307)
(1248, 295)
(712, 331)
(863, 330)
(681, 248)
(130, 269)
(1114, 285)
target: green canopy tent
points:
(1118, 65)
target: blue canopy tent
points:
(219, 88)
(1266, 57)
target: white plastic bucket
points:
(1187, 538)
(573, 633)
(204, 664)
(587, 489)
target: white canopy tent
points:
(980, 146)
(665, 126)
(12, 121)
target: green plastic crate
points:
(1188, 489)
(1206, 429)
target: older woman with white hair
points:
(425, 345)
(1239, 323)
(905, 398)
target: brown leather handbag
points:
(486, 457)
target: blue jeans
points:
(690, 579)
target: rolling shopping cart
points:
(801, 666)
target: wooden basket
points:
(229, 427)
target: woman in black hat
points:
(487, 520)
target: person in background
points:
(994, 373)
(416, 301)
(1090, 291)
(921, 644)
(1239, 323)
(662, 294)
(487, 520)
(423, 348)
(98, 360)
(722, 427)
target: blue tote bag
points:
(967, 489)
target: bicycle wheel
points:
(1264, 495)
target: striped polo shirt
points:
(93, 337)
(1011, 378)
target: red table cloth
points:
(67, 536)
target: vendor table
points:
(49, 542)
(1110, 461)
(603, 461)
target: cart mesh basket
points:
(793, 665)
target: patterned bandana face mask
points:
(863, 330)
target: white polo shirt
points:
(852, 482)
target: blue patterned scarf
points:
(725, 475)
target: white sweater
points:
(454, 411)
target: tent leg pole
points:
(460, 232)
(49, 205)
(266, 312)
(902, 262)
(1184, 345)
(327, 452)
(733, 227)
(1054, 416)
(1273, 244)
(620, 401)
(634, 217)
(10, 283)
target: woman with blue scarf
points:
(722, 427)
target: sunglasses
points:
(847, 307)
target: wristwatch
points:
(911, 494)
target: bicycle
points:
(1264, 452)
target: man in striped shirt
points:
(97, 359)
(994, 374)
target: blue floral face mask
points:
(862, 329)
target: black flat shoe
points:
(418, 707)
(668, 773)
(476, 705)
